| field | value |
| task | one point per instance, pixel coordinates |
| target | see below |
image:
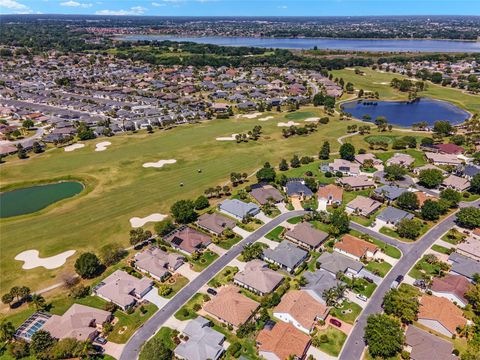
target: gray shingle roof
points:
(390, 192)
(463, 265)
(394, 215)
(286, 253)
(335, 262)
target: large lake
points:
(31, 199)
(404, 113)
(337, 44)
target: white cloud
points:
(75, 4)
(14, 6)
(135, 10)
(282, 7)
(156, 4)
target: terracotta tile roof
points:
(454, 284)
(283, 340)
(422, 197)
(330, 191)
(302, 307)
(188, 239)
(355, 246)
(231, 306)
(441, 310)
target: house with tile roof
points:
(425, 346)
(355, 248)
(264, 193)
(331, 194)
(301, 310)
(231, 307)
(362, 205)
(401, 159)
(318, 282)
(470, 248)
(451, 287)
(443, 159)
(306, 236)
(188, 240)
(462, 265)
(286, 255)
(215, 223)
(456, 183)
(440, 315)
(158, 263)
(282, 341)
(258, 278)
(335, 262)
(200, 342)
(359, 182)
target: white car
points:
(362, 297)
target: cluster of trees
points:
(322, 99)
(299, 130)
(347, 152)
(384, 336)
(217, 191)
(84, 132)
(139, 236)
(405, 85)
(295, 162)
(404, 142)
(238, 178)
(16, 295)
(254, 134)
(267, 173)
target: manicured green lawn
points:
(224, 277)
(419, 156)
(205, 259)
(301, 115)
(379, 268)
(120, 188)
(453, 237)
(348, 312)
(423, 267)
(176, 282)
(392, 233)
(186, 312)
(389, 250)
(129, 323)
(441, 249)
(295, 220)
(165, 334)
(361, 286)
(274, 235)
(313, 167)
(313, 261)
(336, 338)
(228, 243)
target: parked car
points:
(212, 291)
(362, 297)
(335, 322)
(399, 278)
(100, 340)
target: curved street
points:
(133, 346)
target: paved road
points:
(355, 345)
(132, 348)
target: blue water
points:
(403, 113)
(321, 43)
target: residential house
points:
(443, 159)
(318, 282)
(201, 342)
(419, 169)
(362, 205)
(286, 255)
(449, 149)
(306, 236)
(215, 223)
(457, 183)
(388, 192)
(391, 216)
(440, 315)
(258, 278)
(265, 193)
(79, 322)
(451, 287)
(282, 341)
(401, 159)
(331, 194)
(359, 182)
(360, 158)
(470, 248)
(231, 307)
(300, 309)
(123, 289)
(336, 262)
(238, 209)
(425, 346)
(296, 188)
(422, 197)
(345, 167)
(158, 263)
(355, 248)
(188, 240)
(468, 171)
(465, 266)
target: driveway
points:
(322, 205)
(156, 299)
(241, 232)
(283, 209)
(216, 249)
(113, 349)
(271, 244)
(186, 271)
(264, 218)
(319, 355)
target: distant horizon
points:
(243, 8)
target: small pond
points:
(31, 199)
(406, 113)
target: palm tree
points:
(7, 330)
(87, 349)
(38, 301)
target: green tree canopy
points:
(87, 265)
(183, 211)
(430, 178)
(339, 222)
(409, 228)
(402, 303)
(384, 336)
(408, 201)
(469, 217)
(395, 172)
(347, 152)
(155, 349)
(164, 227)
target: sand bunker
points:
(159, 163)
(102, 146)
(265, 118)
(138, 222)
(251, 116)
(287, 124)
(32, 260)
(312, 119)
(227, 138)
(73, 147)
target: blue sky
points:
(243, 7)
